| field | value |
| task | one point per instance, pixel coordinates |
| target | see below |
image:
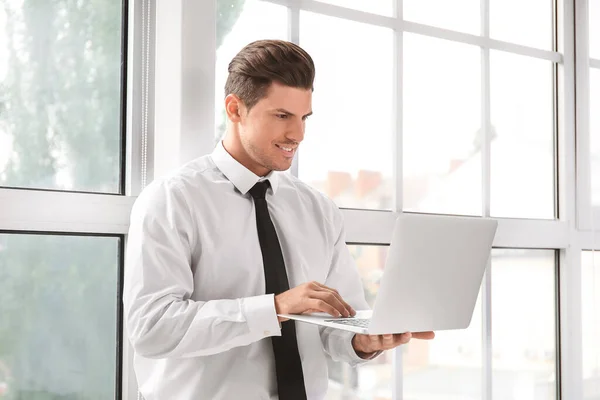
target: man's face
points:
(272, 130)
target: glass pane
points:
(448, 367)
(590, 302)
(522, 148)
(240, 22)
(60, 95)
(523, 22)
(442, 145)
(458, 15)
(59, 316)
(594, 24)
(523, 325)
(347, 150)
(383, 7)
(595, 134)
(373, 380)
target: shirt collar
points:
(241, 177)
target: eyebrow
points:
(284, 111)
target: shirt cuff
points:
(261, 315)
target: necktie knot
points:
(259, 190)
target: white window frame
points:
(588, 215)
(170, 70)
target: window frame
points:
(168, 69)
(35, 211)
(588, 215)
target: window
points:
(595, 136)
(588, 103)
(347, 149)
(594, 17)
(590, 301)
(463, 15)
(522, 137)
(526, 23)
(385, 7)
(63, 120)
(524, 324)
(58, 331)
(61, 95)
(442, 119)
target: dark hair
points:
(260, 63)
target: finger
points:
(402, 338)
(331, 299)
(319, 285)
(339, 298)
(388, 341)
(310, 311)
(375, 342)
(347, 306)
(423, 335)
(323, 306)
(372, 343)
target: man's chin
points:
(281, 167)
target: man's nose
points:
(296, 132)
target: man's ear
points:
(234, 108)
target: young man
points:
(228, 241)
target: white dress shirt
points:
(196, 311)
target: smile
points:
(286, 150)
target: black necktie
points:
(288, 367)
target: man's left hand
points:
(366, 345)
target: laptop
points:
(431, 280)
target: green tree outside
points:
(60, 107)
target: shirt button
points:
(267, 333)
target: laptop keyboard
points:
(359, 322)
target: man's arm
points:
(161, 319)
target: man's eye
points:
(282, 116)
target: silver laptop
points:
(433, 272)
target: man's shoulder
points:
(194, 173)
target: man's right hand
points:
(312, 297)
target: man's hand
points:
(312, 297)
(366, 345)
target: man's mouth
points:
(287, 149)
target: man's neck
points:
(236, 150)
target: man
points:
(220, 247)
